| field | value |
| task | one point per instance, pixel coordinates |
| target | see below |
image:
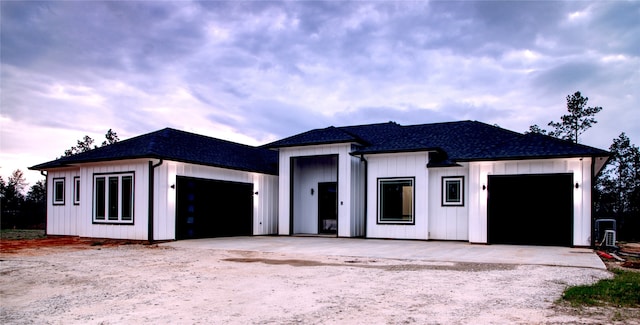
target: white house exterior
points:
(138, 198)
(397, 189)
(463, 181)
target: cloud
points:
(255, 71)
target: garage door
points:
(530, 209)
(210, 208)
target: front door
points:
(328, 208)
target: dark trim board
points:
(208, 208)
(530, 209)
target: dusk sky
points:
(255, 71)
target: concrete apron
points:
(434, 251)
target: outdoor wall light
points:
(312, 191)
(173, 186)
(484, 187)
(256, 193)
(577, 185)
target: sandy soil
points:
(117, 284)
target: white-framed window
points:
(58, 191)
(453, 191)
(113, 198)
(396, 200)
(76, 190)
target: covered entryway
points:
(314, 189)
(530, 209)
(212, 208)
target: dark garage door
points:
(210, 208)
(531, 209)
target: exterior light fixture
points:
(173, 186)
(577, 185)
(312, 191)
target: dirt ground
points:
(70, 280)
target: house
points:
(164, 185)
(465, 181)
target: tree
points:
(17, 181)
(37, 193)
(12, 199)
(111, 138)
(34, 213)
(618, 187)
(536, 129)
(86, 143)
(579, 119)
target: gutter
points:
(46, 217)
(152, 168)
(593, 205)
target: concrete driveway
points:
(437, 251)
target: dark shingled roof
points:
(179, 146)
(453, 141)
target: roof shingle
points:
(180, 146)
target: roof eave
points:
(310, 144)
(528, 157)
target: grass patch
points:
(621, 291)
(16, 234)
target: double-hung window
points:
(396, 201)
(113, 198)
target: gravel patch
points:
(166, 285)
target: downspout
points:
(593, 205)
(46, 212)
(152, 168)
(366, 190)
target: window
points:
(113, 199)
(453, 191)
(76, 190)
(58, 191)
(395, 201)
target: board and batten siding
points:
(398, 165)
(479, 173)
(63, 219)
(350, 214)
(265, 209)
(77, 220)
(448, 222)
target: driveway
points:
(297, 280)
(440, 251)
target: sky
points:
(257, 71)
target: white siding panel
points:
(448, 222)
(398, 165)
(62, 219)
